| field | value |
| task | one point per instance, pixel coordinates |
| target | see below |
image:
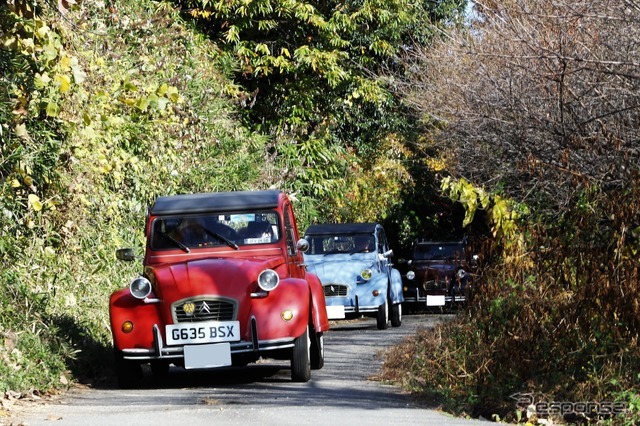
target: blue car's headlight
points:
(366, 274)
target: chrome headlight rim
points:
(411, 275)
(268, 280)
(140, 288)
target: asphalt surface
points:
(340, 393)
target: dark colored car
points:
(440, 273)
(223, 283)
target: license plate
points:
(335, 312)
(207, 356)
(203, 332)
(435, 300)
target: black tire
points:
(128, 373)
(317, 351)
(300, 364)
(396, 314)
(159, 369)
(382, 319)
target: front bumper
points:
(417, 295)
(341, 307)
(173, 353)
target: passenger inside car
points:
(257, 232)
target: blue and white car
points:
(353, 262)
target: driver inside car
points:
(363, 244)
(192, 232)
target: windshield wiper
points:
(230, 243)
(178, 243)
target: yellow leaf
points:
(64, 82)
(34, 202)
(53, 109)
(65, 62)
(162, 89)
(15, 183)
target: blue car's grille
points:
(336, 290)
(203, 310)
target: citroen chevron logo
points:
(204, 308)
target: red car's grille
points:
(203, 310)
(336, 290)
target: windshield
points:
(438, 251)
(341, 243)
(214, 229)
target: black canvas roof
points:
(341, 228)
(215, 201)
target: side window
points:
(289, 231)
(382, 241)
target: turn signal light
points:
(127, 326)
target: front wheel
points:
(317, 351)
(300, 365)
(396, 314)
(382, 319)
(128, 373)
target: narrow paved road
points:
(263, 393)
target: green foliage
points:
(88, 140)
(308, 71)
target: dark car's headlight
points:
(461, 274)
(140, 288)
(268, 280)
(411, 275)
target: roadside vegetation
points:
(523, 123)
(539, 105)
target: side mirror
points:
(302, 245)
(125, 254)
(388, 253)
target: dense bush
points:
(103, 108)
(538, 106)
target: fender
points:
(293, 295)
(395, 287)
(124, 307)
(319, 313)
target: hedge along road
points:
(261, 393)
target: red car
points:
(223, 284)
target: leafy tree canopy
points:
(309, 72)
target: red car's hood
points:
(231, 278)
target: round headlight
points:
(366, 274)
(461, 273)
(268, 280)
(140, 288)
(411, 275)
